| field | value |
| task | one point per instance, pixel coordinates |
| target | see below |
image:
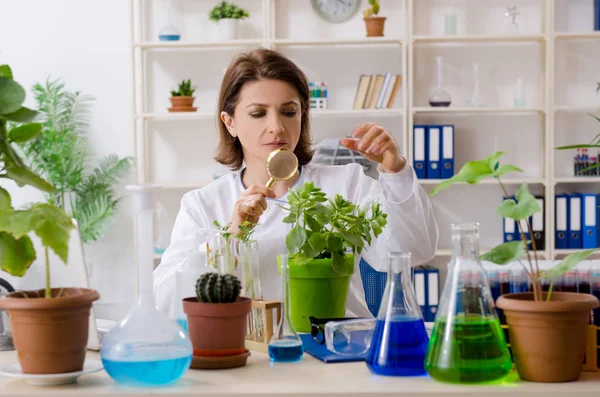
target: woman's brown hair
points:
(260, 64)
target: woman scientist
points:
(264, 105)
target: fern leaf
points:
(93, 216)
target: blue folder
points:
(320, 351)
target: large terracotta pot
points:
(217, 329)
(548, 339)
(50, 334)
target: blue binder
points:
(432, 286)
(434, 137)
(447, 151)
(575, 241)
(509, 228)
(420, 151)
(589, 220)
(320, 351)
(562, 221)
(421, 290)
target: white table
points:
(308, 377)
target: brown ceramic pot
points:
(548, 339)
(375, 26)
(182, 104)
(50, 334)
(217, 329)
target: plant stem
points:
(48, 293)
(537, 266)
(550, 290)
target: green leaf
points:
(581, 146)
(338, 263)
(505, 253)
(317, 242)
(334, 243)
(295, 239)
(25, 132)
(352, 239)
(23, 115)
(55, 229)
(568, 263)
(505, 169)
(12, 95)
(5, 201)
(16, 255)
(5, 71)
(9, 155)
(525, 206)
(23, 176)
(313, 224)
(19, 223)
(289, 218)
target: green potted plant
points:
(182, 98)
(547, 330)
(375, 24)
(227, 15)
(217, 321)
(50, 325)
(322, 244)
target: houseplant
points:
(374, 23)
(217, 320)
(320, 265)
(182, 98)
(61, 155)
(227, 15)
(50, 326)
(547, 330)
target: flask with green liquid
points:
(467, 344)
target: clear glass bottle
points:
(251, 285)
(439, 97)
(475, 99)
(467, 344)
(147, 348)
(450, 21)
(520, 98)
(399, 342)
(169, 32)
(161, 241)
(285, 344)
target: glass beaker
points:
(169, 32)
(285, 344)
(247, 254)
(147, 348)
(475, 100)
(467, 344)
(398, 345)
(439, 97)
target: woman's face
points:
(267, 116)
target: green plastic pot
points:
(317, 290)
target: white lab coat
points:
(411, 225)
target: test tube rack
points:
(269, 313)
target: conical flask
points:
(439, 97)
(147, 348)
(467, 344)
(285, 344)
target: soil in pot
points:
(50, 335)
(548, 339)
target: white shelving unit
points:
(340, 53)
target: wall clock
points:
(336, 11)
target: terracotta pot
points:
(50, 335)
(217, 329)
(374, 26)
(548, 339)
(182, 104)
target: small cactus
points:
(217, 288)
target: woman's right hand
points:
(250, 206)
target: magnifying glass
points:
(282, 164)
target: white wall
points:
(87, 44)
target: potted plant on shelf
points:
(322, 244)
(547, 330)
(217, 318)
(227, 15)
(50, 326)
(374, 23)
(182, 98)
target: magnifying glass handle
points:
(270, 183)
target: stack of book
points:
(377, 91)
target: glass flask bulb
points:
(285, 344)
(169, 32)
(439, 97)
(467, 344)
(475, 100)
(399, 342)
(147, 348)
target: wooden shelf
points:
(483, 39)
(561, 252)
(451, 109)
(577, 179)
(505, 181)
(360, 41)
(195, 45)
(576, 35)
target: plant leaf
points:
(317, 242)
(295, 239)
(23, 115)
(25, 132)
(505, 169)
(19, 223)
(54, 230)
(581, 146)
(525, 206)
(23, 176)
(12, 95)
(313, 224)
(569, 262)
(16, 255)
(5, 201)
(5, 71)
(338, 262)
(505, 253)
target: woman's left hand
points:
(376, 144)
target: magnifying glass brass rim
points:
(273, 179)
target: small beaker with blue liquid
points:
(398, 344)
(285, 344)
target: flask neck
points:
(399, 270)
(439, 64)
(465, 245)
